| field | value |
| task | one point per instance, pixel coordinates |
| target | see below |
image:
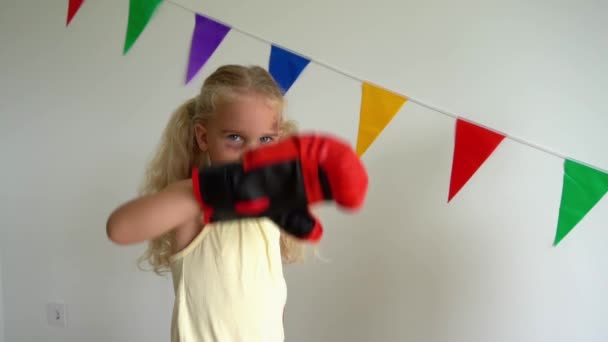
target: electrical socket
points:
(56, 315)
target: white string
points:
(409, 99)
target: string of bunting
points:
(583, 185)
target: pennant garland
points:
(473, 145)
(378, 107)
(73, 7)
(206, 37)
(140, 13)
(583, 186)
(285, 66)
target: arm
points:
(150, 216)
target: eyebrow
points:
(268, 134)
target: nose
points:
(247, 147)
(251, 145)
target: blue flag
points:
(285, 67)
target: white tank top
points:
(229, 284)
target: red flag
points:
(73, 7)
(473, 145)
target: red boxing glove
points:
(299, 223)
(281, 179)
(330, 169)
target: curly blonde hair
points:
(177, 152)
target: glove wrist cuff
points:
(196, 187)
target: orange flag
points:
(378, 107)
(473, 145)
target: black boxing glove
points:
(281, 181)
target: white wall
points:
(409, 267)
(1, 304)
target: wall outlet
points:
(56, 315)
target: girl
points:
(227, 276)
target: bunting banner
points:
(473, 145)
(285, 66)
(140, 13)
(583, 186)
(582, 189)
(378, 107)
(73, 7)
(208, 34)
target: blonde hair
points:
(177, 152)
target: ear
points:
(200, 135)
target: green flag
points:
(140, 12)
(583, 187)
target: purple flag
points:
(206, 37)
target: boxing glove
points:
(299, 223)
(292, 174)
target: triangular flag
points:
(473, 145)
(206, 37)
(285, 67)
(73, 7)
(582, 188)
(140, 12)
(378, 107)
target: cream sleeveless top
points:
(229, 284)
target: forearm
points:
(150, 216)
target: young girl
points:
(227, 276)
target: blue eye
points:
(265, 140)
(234, 137)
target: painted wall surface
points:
(79, 121)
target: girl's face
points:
(237, 127)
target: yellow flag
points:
(378, 107)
